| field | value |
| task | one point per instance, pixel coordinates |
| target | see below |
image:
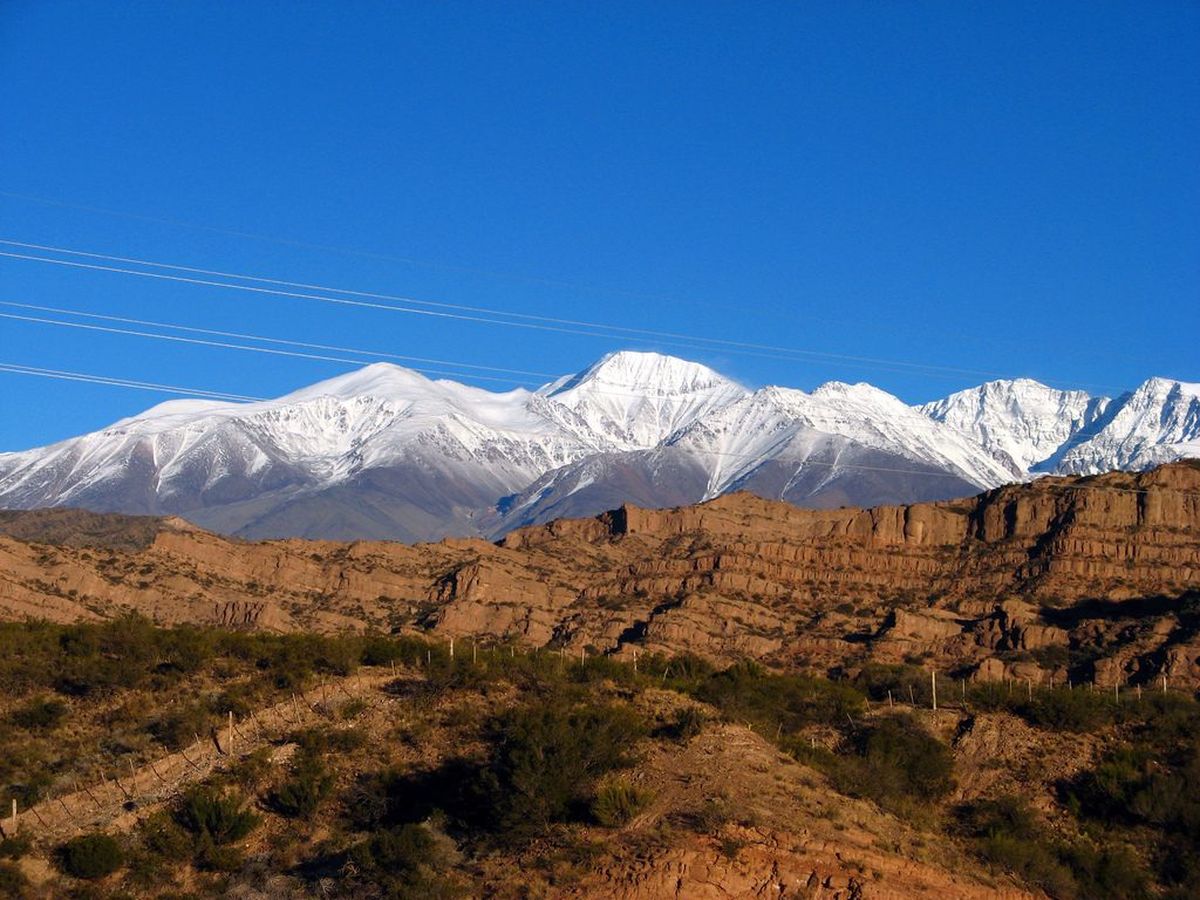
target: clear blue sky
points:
(1001, 187)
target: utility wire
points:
(225, 345)
(17, 369)
(270, 340)
(533, 386)
(461, 311)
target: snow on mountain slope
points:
(321, 434)
(840, 444)
(783, 423)
(386, 452)
(1157, 423)
(637, 400)
(1020, 422)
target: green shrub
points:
(687, 723)
(617, 802)
(708, 818)
(1067, 710)
(179, 727)
(162, 837)
(302, 793)
(15, 847)
(1110, 871)
(215, 816)
(746, 692)
(1006, 834)
(407, 862)
(42, 714)
(895, 759)
(91, 856)
(907, 683)
(545, 758)
(352, 708)
(13, 883)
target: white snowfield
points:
(497, 444)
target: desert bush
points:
(15, 847)
(216, 816)
(162, 837)
(617, 802)
(406, 862)
(747, 692)
(1067, 710)
(708, 818)
(90, 856)
(895, 760)
(41, 714)
(1006, 834)
(686, 724)
(13, 883)
(352, 708)
(1111, 871)
(179, 726)
(301, 794)
(545, 758)
(907, 683)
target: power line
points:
(334, 300)
(17, 369)
(270, 340)
(461, 311)
(228, 346)
(348, 251)
(225, 345)
(396, 258)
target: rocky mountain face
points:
(1021, 421)
(386, 453)
(1087, 578)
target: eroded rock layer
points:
(1093, 578)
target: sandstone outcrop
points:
(1068, 577)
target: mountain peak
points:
(1019, 420)
(381, 379)
(638, 370)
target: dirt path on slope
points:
(119, 803)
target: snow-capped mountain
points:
(384, 452)
(780, 423)
(1157, 423)
(1020, 421)
(637, 400)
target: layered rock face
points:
(1083, 578)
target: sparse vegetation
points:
(524, 755)
(91, 856)
(617, 802)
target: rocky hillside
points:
(1064, 578)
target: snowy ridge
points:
(1021, 421)
(441, 457)
(1157, 423)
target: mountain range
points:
(387, 453)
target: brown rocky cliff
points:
(1015, 580)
